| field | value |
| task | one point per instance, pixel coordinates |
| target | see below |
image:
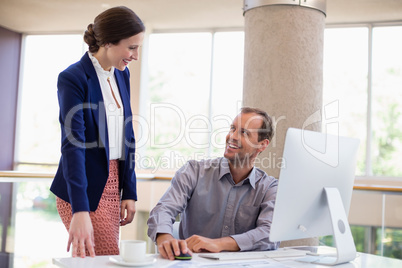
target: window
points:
(44, 57)
(366, 84)
(386, 143)
(194, 88)
(345, 83)
(227, 86)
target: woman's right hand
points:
(81, 234)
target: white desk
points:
(362, 261)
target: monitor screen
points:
(315, 165)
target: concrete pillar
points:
(283, 70)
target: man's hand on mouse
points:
(169, 247)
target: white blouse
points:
(114, 114)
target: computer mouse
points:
(183, 257)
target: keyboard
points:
(247, 255)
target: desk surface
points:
(363, 260)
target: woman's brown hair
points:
(111, 26)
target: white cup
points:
(133, 250)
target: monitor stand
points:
(345, 246)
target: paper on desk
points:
(232, 264)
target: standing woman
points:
(95, 183)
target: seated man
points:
(225, 204)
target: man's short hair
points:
(267, 129)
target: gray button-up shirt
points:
(213, 206)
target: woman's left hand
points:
(127, 211)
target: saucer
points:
(118, 260)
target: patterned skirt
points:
(106, 219)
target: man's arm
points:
(163, 215)
(198, 243)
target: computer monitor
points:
(315, 189)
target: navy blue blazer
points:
(84, 164)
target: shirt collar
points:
(99, 68)
(224, 169)
(252, 178)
